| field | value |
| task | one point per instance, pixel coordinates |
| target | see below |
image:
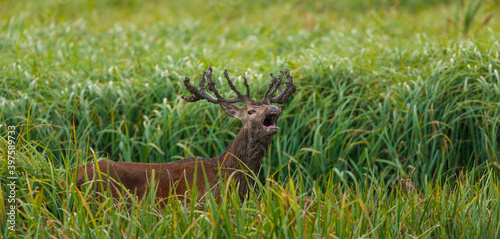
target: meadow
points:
(387, 90)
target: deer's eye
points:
(251, 112)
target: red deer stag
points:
(244, 154)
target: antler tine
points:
(283, 94)
(244, 98)
(211, 85)
(274, 86)
(246, 85)
(273, 81)
(277, 84)
(199, 94)
(230, 83)
(280, 82)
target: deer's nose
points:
(272, 108)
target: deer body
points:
(242, 157)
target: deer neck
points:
(246, 151)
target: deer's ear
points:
(231, 110)
(282, 107)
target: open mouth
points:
(271, 120)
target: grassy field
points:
(386, 90)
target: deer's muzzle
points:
(272, 116)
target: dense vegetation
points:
(387, 90)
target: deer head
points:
(260, 117)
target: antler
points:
(201, 93)
(276, 86)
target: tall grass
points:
(385, 91)
(465, 206)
